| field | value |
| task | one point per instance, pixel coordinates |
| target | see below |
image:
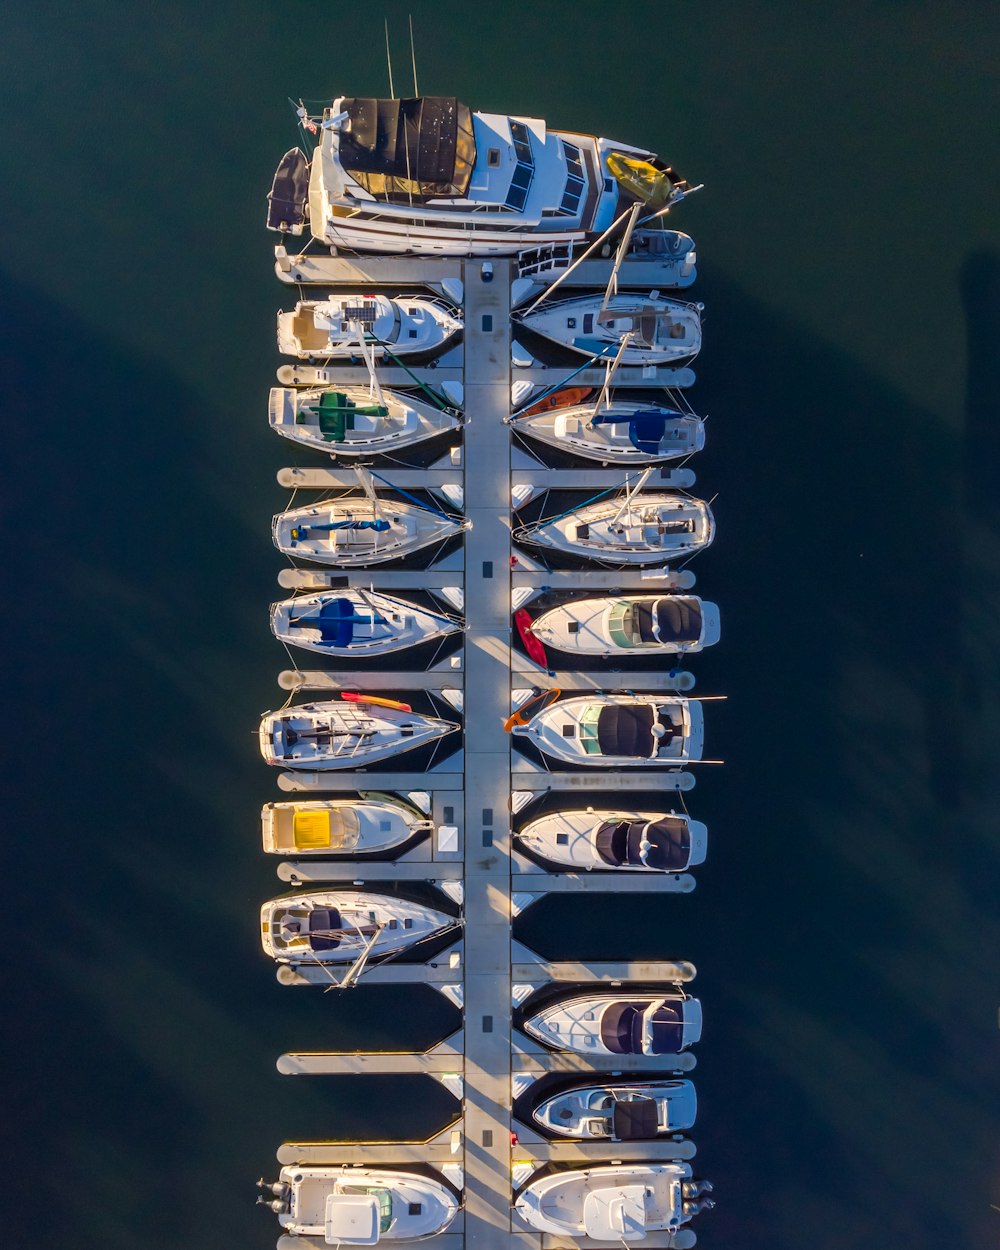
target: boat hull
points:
(607, 627)
(575, 1024)
(351, 533)
(356, 427)
(607, 1203)
(570, 841)
(334, 735)
(572, 430)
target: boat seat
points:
(310, 337)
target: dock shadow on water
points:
(843, 925)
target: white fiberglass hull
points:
(618, 731)
(610, 441)
(583, 840)
(337, 926)
(607, 1203)
(660, 331)
(356, 624)
(351, 532)
(648, 529)
(587, 1111)
(339, 827)
(616, 626)
(363, 1206)
(344, 734)
(612, 1023)
(357, 423)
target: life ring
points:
(537, 703)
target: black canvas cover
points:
(422, 146)
(634, 1120)
(625, 730)
(667, 1031)
(287, 202)
(669, 844)
(678, 620)
(324, 923)
(618, 1027)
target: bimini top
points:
(635, 1119)
(622, 1027)
(423, 146)
(663, 844)
(626, 730)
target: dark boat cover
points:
(634, 1120)
(677, 620)
(620, 842)
(621, 1030)
(645, 429)
(324, 926)
(423, 146)
(287, 202)
(624, 730)
(617, 1027)
(335, 621)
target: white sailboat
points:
(625, 625)
(601, 840)
(355, 531)
(369, 825)
(620, 1203)
(620, 1111)
(352, 732)
(357, 624)
(634, 329)
(338, 326)
(343, 926)
(637, 528)
(616, 730)
(616, 432)
(357, 420)
(359, 1206)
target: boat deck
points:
(489, 1062)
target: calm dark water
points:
(846, 926)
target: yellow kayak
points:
(653, 187)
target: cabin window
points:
(562, 839)
(525, 168)
(569, 206)
(493, 158)
(588, 323)
(569, 731)
(609, 184)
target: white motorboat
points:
(356, 624)
(351, 325)
(357, 420)
(428, 176)
(625, 625)
(616, 433)
(357, 1206)
(622, 1111)
(369, 825)
(615, 1204)
(617, 1022)
(351, 732)
(643, 528)
(615, 730)
(633, 329)
(342, 926)
(355, 530)
(623, 841)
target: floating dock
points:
(487, 1152)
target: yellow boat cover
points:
(311, 830)
(639, 178)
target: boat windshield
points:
(382, 1196)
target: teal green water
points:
(846, 925)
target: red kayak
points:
(534, 648)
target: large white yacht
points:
(427, 175)
(358, 1206)
(625, 841)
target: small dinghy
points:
(620, 1203)
(615, 730)
(352, 1206)
(340, 325)
(616, 840)
(357, 531)
(341, 926)
(288, 199)
(369, 825)
(633, 329)
(356, 624)
(346, 733)
(616, 433)
(642, 529)
(352, 421)
(616, 1022)
(625, 1111)
(620, 626)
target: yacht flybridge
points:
(427, 176)
(355, 1206)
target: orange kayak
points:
(353, 696)
(566, 398)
